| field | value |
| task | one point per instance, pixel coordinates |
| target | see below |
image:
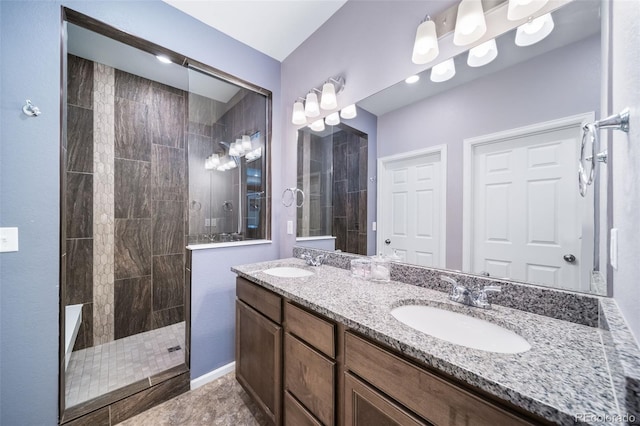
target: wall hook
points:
(30, 109)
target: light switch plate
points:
(290, 227)
(8, 239)
(374, 226)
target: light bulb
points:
(298, 117)
(246, 143)
(483, 54)
(470, 23)
(443, 71)
(328, 100)
(425, 47)
(332, 119)
(311, 108)
(317, 125)
(520, 9)
(349, 112)
(534, 31)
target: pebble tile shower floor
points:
(95, 371)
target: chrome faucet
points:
(311, 260)
(461, 294)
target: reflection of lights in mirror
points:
(332, 119)
(443, 71)
(349, 112)
(317, 125)
(163, 59)
(412, 79)
(521, 9)
(534, 31)
(483, 54)
(520, 87)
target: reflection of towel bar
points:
(590, 131)
(294, 197)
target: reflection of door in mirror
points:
(332, 173)
(523, 215)
(412, 205)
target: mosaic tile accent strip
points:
(103, 203)
(564, 305)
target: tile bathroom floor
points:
(222, 402)
(95, 371)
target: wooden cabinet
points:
(305, 370)
(259, 347)
(309, 366)
(433, 398)
(364, 406)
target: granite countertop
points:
(564, 374)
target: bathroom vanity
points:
(325, 349)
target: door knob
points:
(569, 258)
(387, 241)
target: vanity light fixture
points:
(443, 71)
(298, 117)
(412, 79)
(470, 23)
(349, 112)
(425, 47)
(163, 59)
(328, 100)
(483, 54)
(534, 31)
(520, 9)
(332, 119)
(246, 143)
(311, 108)
(317, 125)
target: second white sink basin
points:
(461, 329)
(288, 272)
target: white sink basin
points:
(288, 272)
(461, 329)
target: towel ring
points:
(591, 131)
(294, 197)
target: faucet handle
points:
(449, 280)
(492, 288)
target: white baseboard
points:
(212, 375)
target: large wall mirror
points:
(161, 153)
(479, 173)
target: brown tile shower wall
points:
(79, 195)
(125, 202)
(150, 204)
(350, 192)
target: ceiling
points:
(273, 27)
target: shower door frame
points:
(97, 407)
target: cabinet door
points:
(258, 359)
(309, 377)
(363, 406)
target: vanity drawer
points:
(435, 399)
(267, 303)
(314, 330)
(310, 378)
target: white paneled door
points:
(526, 218)
(411, 207)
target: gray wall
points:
(557, 84)
(30, 183)
(626, 159)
